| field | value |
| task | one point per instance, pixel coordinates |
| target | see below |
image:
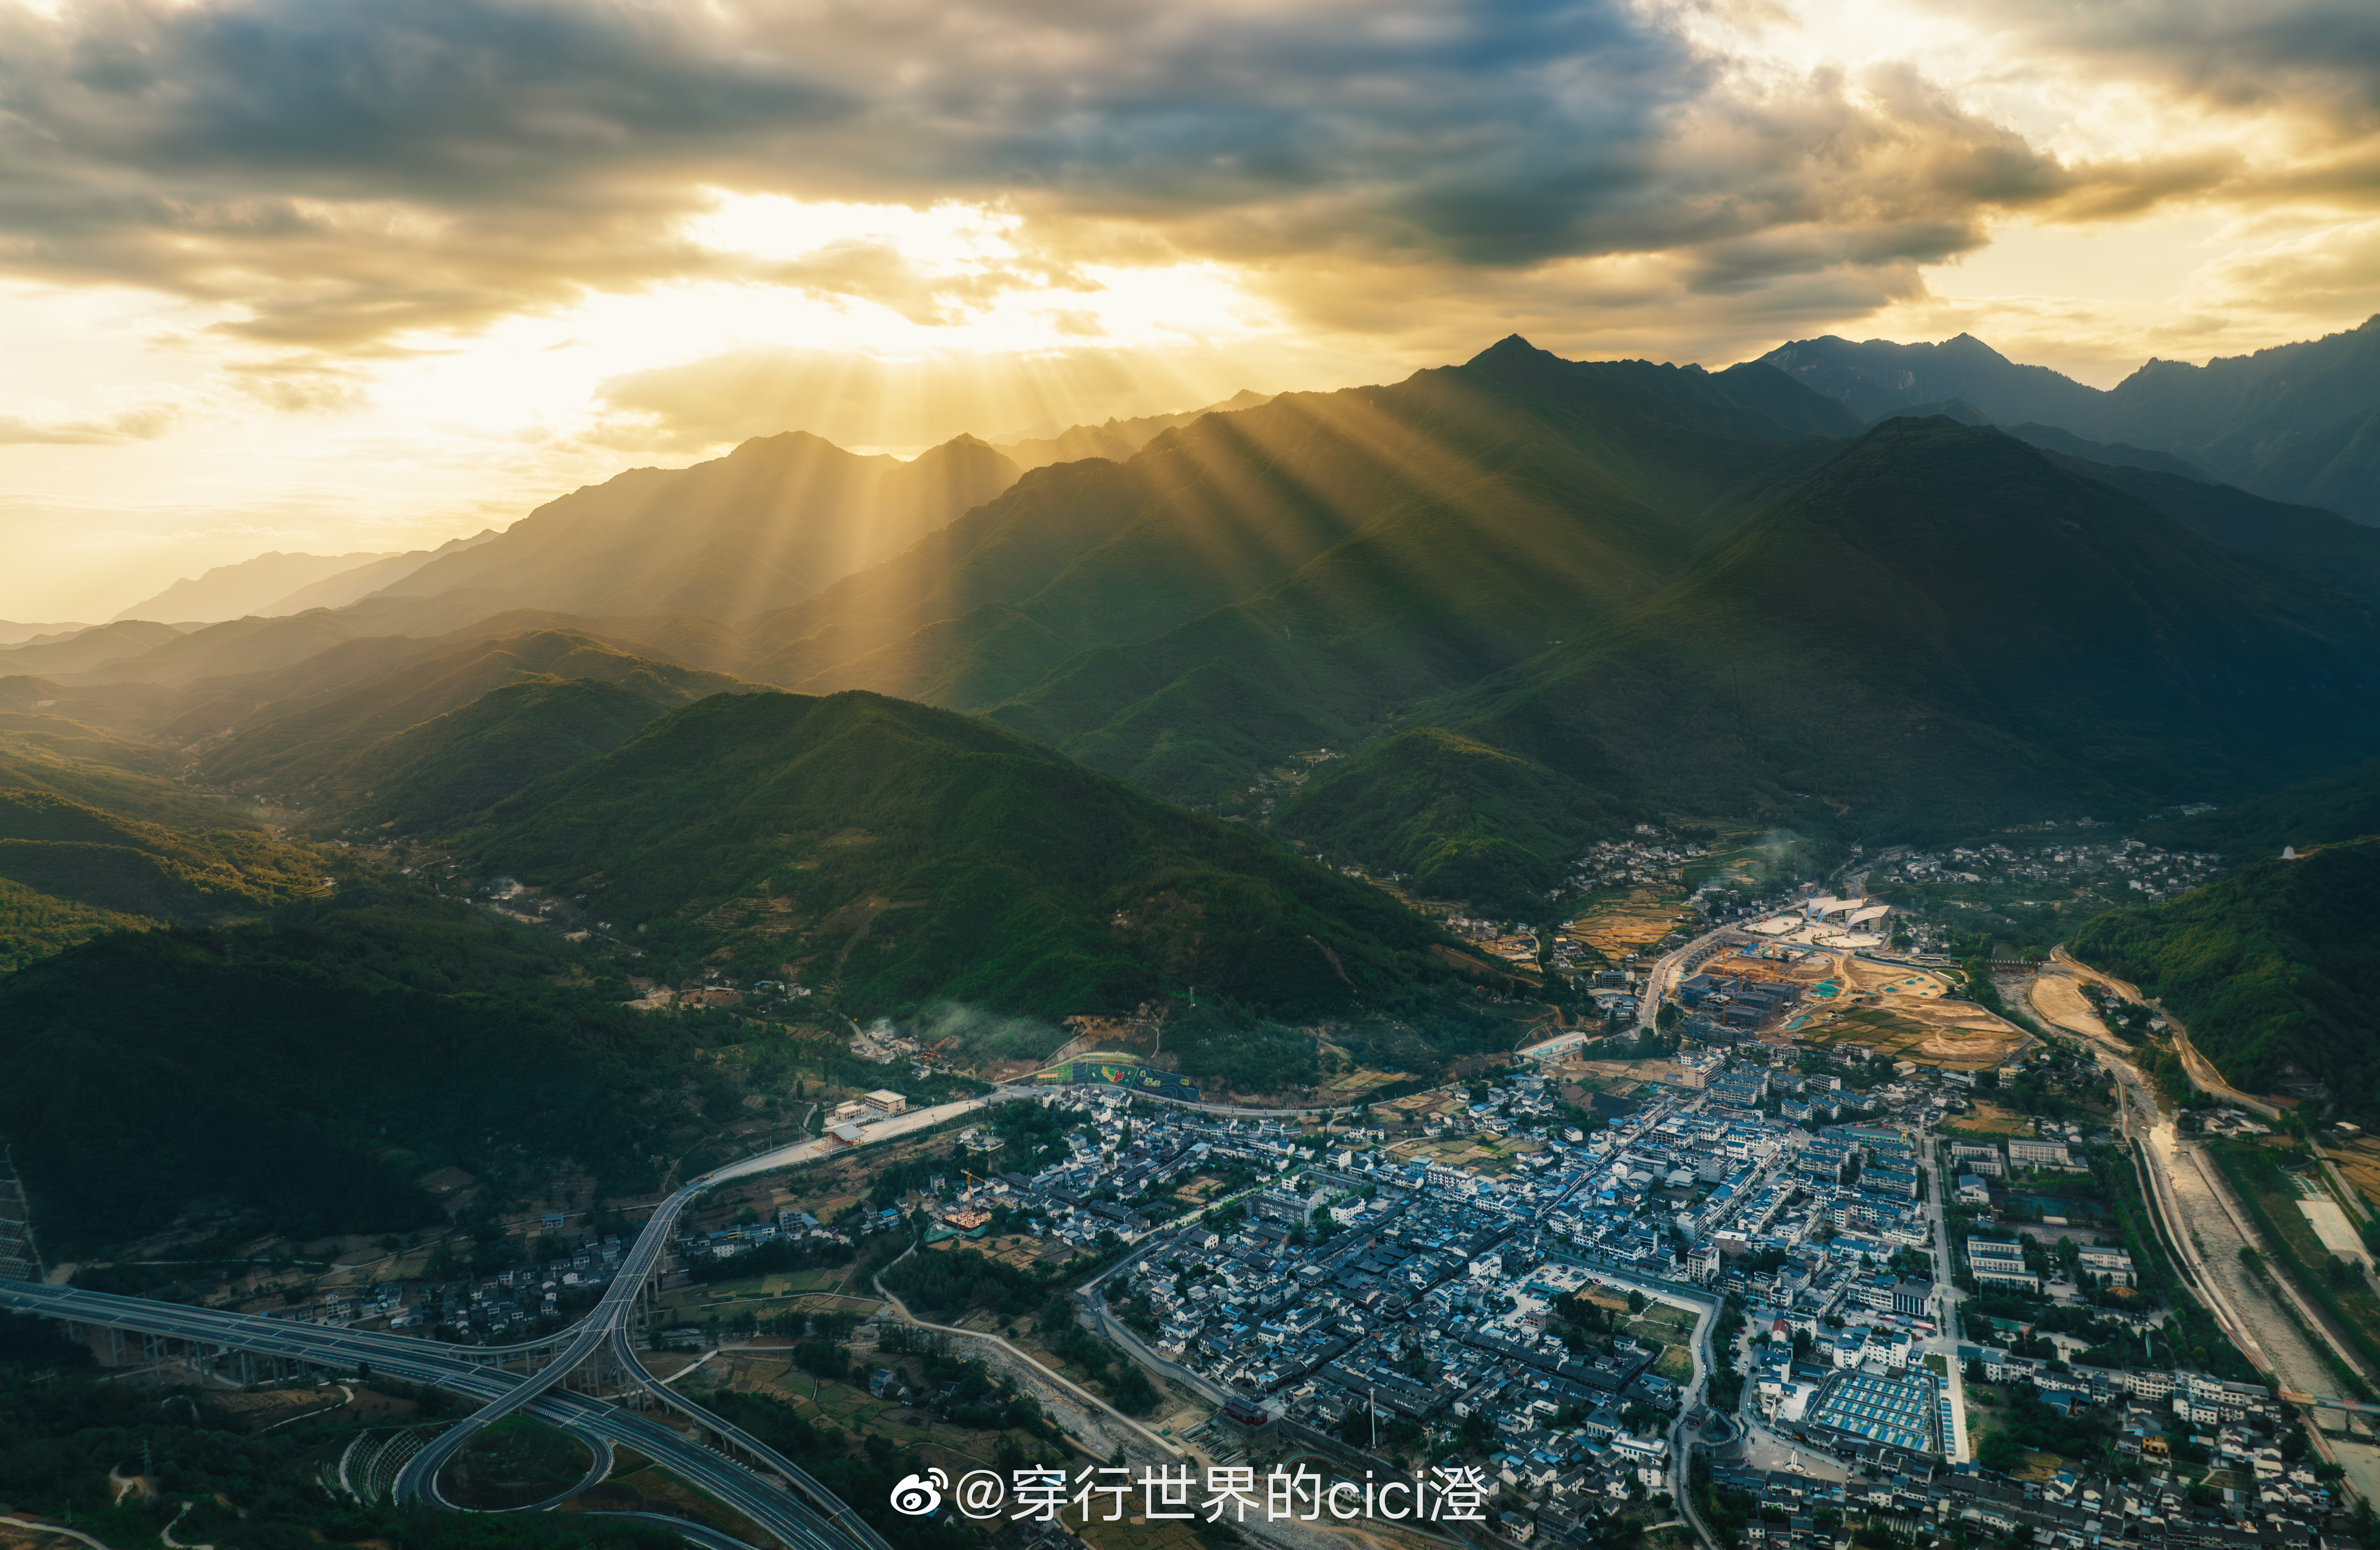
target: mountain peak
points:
(1511, 347)
(784, 441)
(962, 442)
(1968, 344)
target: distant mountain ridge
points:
(775, 520)
(1117, 439)
(2297, 422)
(87, 650)
(1943, 628)
(251, 585)
(15, 634)
(352, 586)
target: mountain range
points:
(249, 586)
(1526, 598)
(1067, 728)
(2297, 422)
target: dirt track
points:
(2060, 1000)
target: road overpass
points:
(208, 1336)
(794, 1508)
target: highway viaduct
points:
(562, 1379)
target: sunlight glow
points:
(242, 356)
(771, 226)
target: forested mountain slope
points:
(375, 1037)
(2274, 968)
(897, 853)
(313, 746)
(1094, 554)
(1941, 629)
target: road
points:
(1096, 1411)
(477, 1371)
(2205, 1225)
(2222, 1285)
(610, 1319)
(1690, 1398)
(1944, 1343)
(2203, 1231)
(1681, 1443)
(464, 1371)
(1657, 983)
(2201, 1071)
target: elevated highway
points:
(703, 1458)
(793, 1506)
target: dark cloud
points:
(2297, 56)
(345, 174)
(448, 99)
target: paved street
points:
(1657, 983)
(1945, 1340)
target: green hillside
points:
(1433, 594)
(34, 925)
(1468, 821)
(2324, 548)
(447, 767)
(72, 855)
(2327, 810)
(897, 853)
(2274, 969)
(100, 770)
(1655, 590)
(297, 1077)
(325, 746)
(1540, 497)
(94, 837)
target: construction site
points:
(1898, 1011)
(1826, 921)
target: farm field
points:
(1351, 1087)
(2358, 1163)
(1990, 1121)
(1621, 923)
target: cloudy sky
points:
(279, 274)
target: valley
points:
(1534, 815)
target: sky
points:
(307, 276)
